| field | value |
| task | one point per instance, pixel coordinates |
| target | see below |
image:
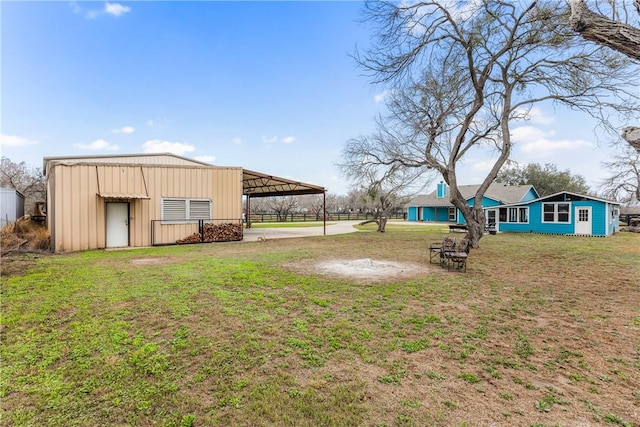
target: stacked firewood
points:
(215, 233)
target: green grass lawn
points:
(540, 331)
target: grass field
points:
(540, 331)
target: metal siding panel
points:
(82, 209)
(67, 202)
(9, 206)
(93, 205)
(75, 210)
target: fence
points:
(271, 217)
(198, 231)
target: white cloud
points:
(524, 134)
(535, 115)
(116, 9)
(543, 146)
(269, 139)
(533, 140)
(126, 129)
(99, 144)
(157, 146)
(483, 165)
(237, 141)
(206, 159)
(274, 139)
(379, 97)
(113, 9)
(15, 141)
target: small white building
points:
(11, 205)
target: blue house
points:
(561, 213)
(519, 209)
(437, 207)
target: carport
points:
(257, 184)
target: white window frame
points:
(556, 213)
(192, 209)
(526, 215)
(452, 214)
(515, 215)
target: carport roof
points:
(257, 184)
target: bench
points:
(439, 249)
(458, 227)
(458, 258)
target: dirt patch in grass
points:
(363, 269)
(148, 261)
(17, 264)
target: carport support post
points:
(324, 212)
(247, 215)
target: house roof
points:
(255, 184)
(505, 194)
(565, 196)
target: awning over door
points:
(122, 195)
(121, 182)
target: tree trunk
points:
(604, 31)
(475, 227)
(382, 223)
(632, 135)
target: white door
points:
(117, 225)
(492, 222)
(583, 220)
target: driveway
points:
(255, 234)
(340, 227)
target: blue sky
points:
(268, 86)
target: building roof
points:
(155, 159)
(505, 194)
(254, 184)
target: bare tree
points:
(28, 180)
(608, 25)
(460, 76)
(624, 183)
(384, 186)
(282, 206)
(313, 203)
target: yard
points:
(540, 331)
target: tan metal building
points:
(146, 199)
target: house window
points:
(615, 211)
(523, 215)
(556, 212)
(583, 215)
(502, 217)
(452, 214)
(516, 214)
(183, 210)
